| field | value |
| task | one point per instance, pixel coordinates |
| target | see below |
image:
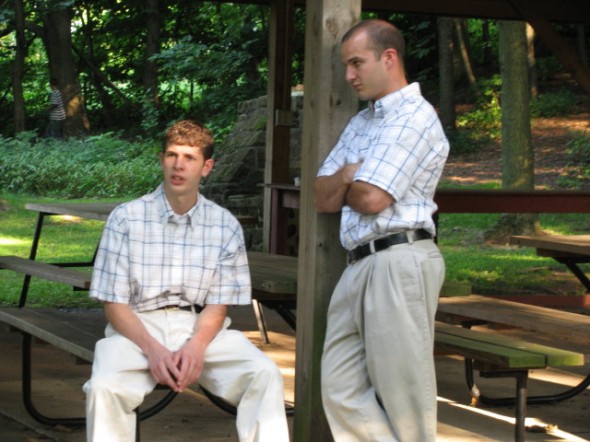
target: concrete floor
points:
(192, 417)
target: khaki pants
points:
(234, 369)
(378, 375)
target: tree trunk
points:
(518, 171)
(488, 59)
(19, 67)
(58, 44)
(463, 47)
(446, 73)
(532, 66)
(581, 34)
(152, 44)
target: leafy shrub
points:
(579, 149)
(547, 67)
(481, 125)
(99, 166)
(578, 157)
(579, 154)
(553, 104)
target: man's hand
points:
(161, 361)
(190, 362)
(190, 358)
(331, 190)
(177, 369)
(164, 367)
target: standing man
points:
(168, 265)
(57, 113)
(378, 375)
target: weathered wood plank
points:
(74, 333)
(577, 245)
(329, 104)
(502, 350)
(96, 211)
(563, 325)
(46, 271)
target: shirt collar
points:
(385, 105)
(166, 212)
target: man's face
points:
(366, 74)
(183, 168)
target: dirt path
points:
(550, 139)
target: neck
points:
(181, 204)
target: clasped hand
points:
(177, 369)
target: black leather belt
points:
(186, 308)
(387, 241)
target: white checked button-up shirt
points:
(149, 257)
(403, 148)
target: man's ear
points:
(390, 57)
(207, 167)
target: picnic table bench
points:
(273, 282)
(501, 356)
(55, 326)
(548, 325)
(272, 274)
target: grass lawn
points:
(488, 269)
(62, 240)
(494, 269)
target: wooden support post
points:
(328, 105)
(278, 127)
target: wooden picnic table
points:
(558, 324)
(274, 285)
(96, 211)
(570, 250)
(274, 277)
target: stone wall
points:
(236, 179)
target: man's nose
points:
(349, 75)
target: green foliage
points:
(553, 104)
(547, 67)
(99, 166)
(579, 149)
(483, 35)
(578, 160)
(482, 124)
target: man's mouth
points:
(177, 179)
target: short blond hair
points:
(190, 133)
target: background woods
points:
(127, 69)
(135, 65)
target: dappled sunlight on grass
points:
(8, 241)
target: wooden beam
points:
(511, 201)
(328, 105)
(564, 11)
(539, 20)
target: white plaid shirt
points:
(403, 148)
(149, 257)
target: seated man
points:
(168, 265)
